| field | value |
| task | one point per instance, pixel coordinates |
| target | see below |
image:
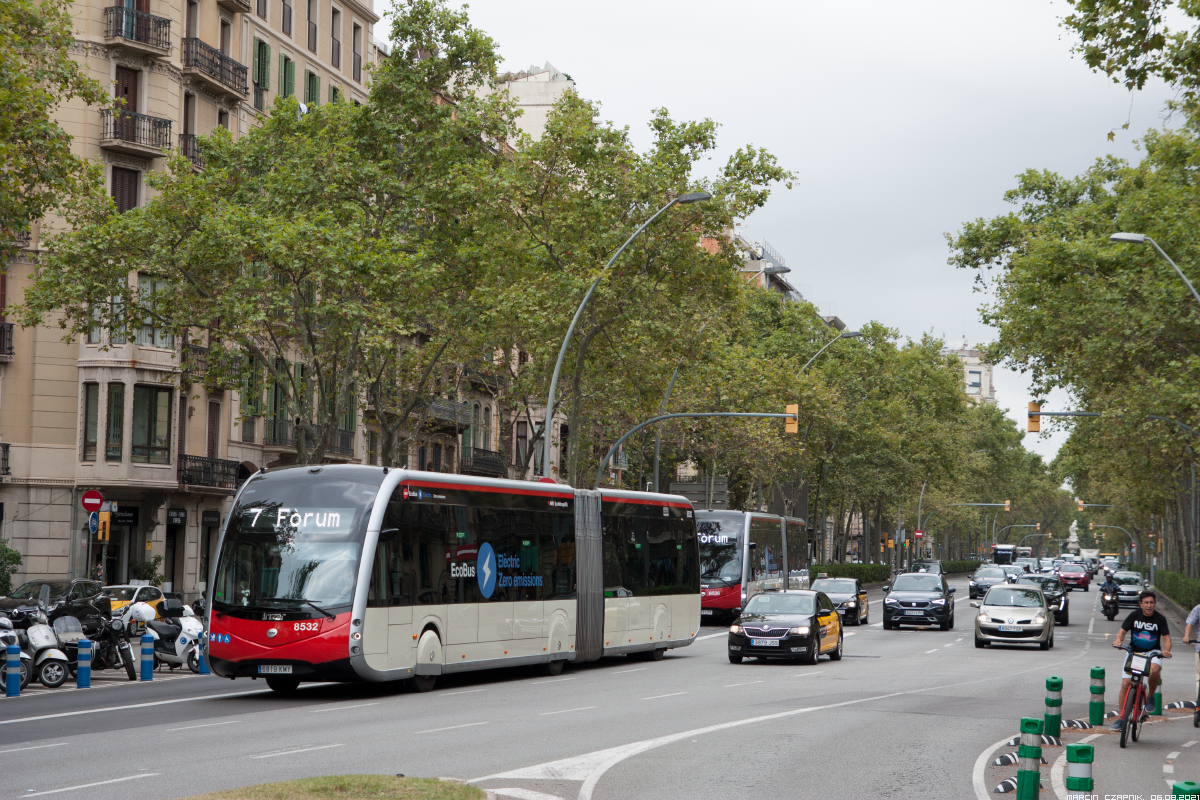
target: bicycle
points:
(1135, 697)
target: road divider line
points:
(135, 705)
(297, 750)
(747, 683)
(205, 725)
(1188, 744)
(57, 744)
(90, 785)
(566, 711)
(934, 650)
(710, 636)
(453, 727)
(1174, 754)
(660, 696)
(340, 708)
(554, 680)
(467, 691)
(625, 671)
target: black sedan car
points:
(848, 597)
(1056, 595)
(791, 624)
(1129, 586)
(985, 578)
(76, 598)
(918, 598)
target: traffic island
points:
(352, 787)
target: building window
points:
(487, 428)
(974, 381)
(94, 332)
(335, 94)
(261, 72)
(223, 119)
(151, 425)
(148, 335)
(335, 50)
(421, 458)
(287, 17)
(287, 76)
(262, 8)
(91, 419)
(115, 424)
(522, 443)
(356, 43)
(435, 463)
(125, 188)
(373, 448)
(312, 25)
(312, 88)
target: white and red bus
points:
(742, 553)
(355, 573)
(1004, 554)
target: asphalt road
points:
(907, 714)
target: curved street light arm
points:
(1178, 271)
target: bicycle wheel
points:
(1127, 713)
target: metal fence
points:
(6, 339)
(342, 444)
(4, 470)
(484, 462)
(190, 147)
(135, 128)
(278, 432)
(220, 473)
(215, 64)
(137, 26)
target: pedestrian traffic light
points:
(1007, 506)
(792, 424)
(1035, 419)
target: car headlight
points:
(972, 583)
(888, 601)
(941, 601)
(849, 604)
(982, 618)
(735, 628)
(1040, 619)
(800, 631)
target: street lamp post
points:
(850, 335)
(683, 199)
(1141, 238)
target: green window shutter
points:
(291, 78)
(332, 95)
(316, 90)
(255, 73)
(266, 64)
(282, 76)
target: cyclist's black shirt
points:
(1146, 632)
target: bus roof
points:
(651, 498)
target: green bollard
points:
(1185, 789)
(1029, 759)
(1079, 768)
(1096, 706)
(1157, 703)
(1053, 706)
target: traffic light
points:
(1039, 527)
(1007, 506)
(1035, 421)
(1081, 506)
(792, 424)
(1091, 526)
(102, 530)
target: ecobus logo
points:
(462, 570)
(485, 570)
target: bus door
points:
(797, 548)
(765, 561)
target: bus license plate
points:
(705, 612)
(1010, 628)
(914, 613)
(764, 643)
(274, 669)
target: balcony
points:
(217, 473)
(278, 433)
(4, 470)
(236, 6)
(135, 134)
(190, 147)
(6, 342)
(342, 444)
(194, 361)
(23, 238)
(215, 68)
(477, 461)
(137, 31)
(259, 97)
(450, 412)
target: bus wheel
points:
(283, 685)
(424, 683)
(553, 667)
(657, 653)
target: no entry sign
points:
(92, 500)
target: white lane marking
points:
(1169, 768)
(90, 785)
(660, 696)
(877, 625)
(1057, 781)
(135, 705)
(626, 671)
(340, 708)
(554, 680)
(566, 711)
(850, 633)
(1172, 755)
(297, 750)
(977, 774)
(934, 650)
(1188, 744)
(747, 683)
(959, 639)
(710, 636)
(949, 645)
(524, 794)
(453, 727)
(39, 747)
(205, 725)
(467, 691)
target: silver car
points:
(1014, 615)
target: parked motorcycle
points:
(111, 649)
(8, 636)
(49, 662)
(1109, 605)
(176, 636)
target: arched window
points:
(478, 430)
(487, 428)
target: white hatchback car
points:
(1011, 614)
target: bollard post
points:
(1182, 789)
(204, 670)
(83, 665)
(1157, 703)
(1096, 706)
(1053, 706)
(147, 657)
(1029, 759)
(1079, 768)
(12, 682)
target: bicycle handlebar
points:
(1129, 649)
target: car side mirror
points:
(974, 604)
(951, 590)
(887, 587)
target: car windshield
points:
(989, 572)
(1013, 596)
(771, 603)
(1072, 568)
(718, 535)
(125, 593)
(1129, 579)
(1047, 583)
(834, 585)
(32, 589)
(922, 566)
(917, 583)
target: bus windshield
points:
(720, 558)
(294, 539)
(1002, 555)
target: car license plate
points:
(914, 613)
(274, 669)
(705, 612)
(1010, 628)
(764, 643)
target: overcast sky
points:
(902, 120)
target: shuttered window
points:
(262, 64)
(287, 76)
(125, 188)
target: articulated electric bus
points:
(743, 553)
(355, 573)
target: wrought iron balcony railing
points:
(137, 26)
(482, 462)
(134, 128)
(342, 444)
(213, 63)
(219, 473)
(6, 341)
(4, 468)
(450, 411)
(278, 433)
(190, 147)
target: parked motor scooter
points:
(49, 662)
(1109, 605)
(8, 636)
(176, 636)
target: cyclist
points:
(1149, 632)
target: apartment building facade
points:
(977, 374)
(130, 414)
